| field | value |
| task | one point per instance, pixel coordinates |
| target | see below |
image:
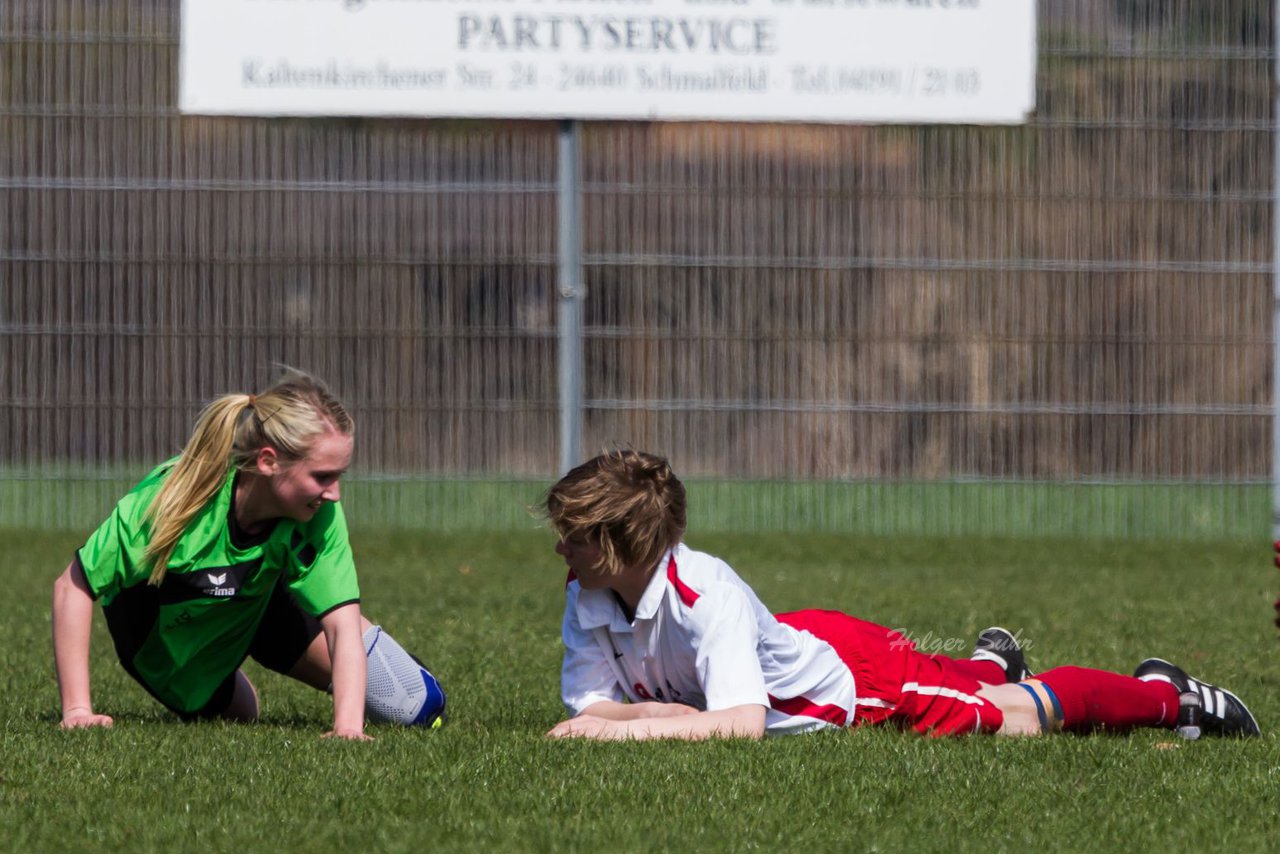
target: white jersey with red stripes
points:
(700, 637)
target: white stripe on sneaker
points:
(987, 655)
(1206, 698)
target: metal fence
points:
(1061, 328)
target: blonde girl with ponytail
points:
(235, 548)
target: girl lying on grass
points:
(237, 548)
(662, 641)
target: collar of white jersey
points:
(599, 608)
(647, 607)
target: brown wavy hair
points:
(629, 504)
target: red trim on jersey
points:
(802, 706)
(687, 594)
(572, 578)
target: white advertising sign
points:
(924, 61)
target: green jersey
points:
(215, 591)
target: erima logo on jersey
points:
(209, 582)
(216, 588)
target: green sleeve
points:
(322, 571)
(114, 555)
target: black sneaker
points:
(1221, 712)
(1000, 645)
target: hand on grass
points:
(348, 734)
(84, 718)
(589, 726)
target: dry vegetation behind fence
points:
(1085, 297)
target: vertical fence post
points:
(570, 290)
(1275, 274)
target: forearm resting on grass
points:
(613, 711)
(746, 721)
(72, 620)
(342, 633)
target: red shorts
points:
(897, 683)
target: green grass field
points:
(75, 498)
(483, 611)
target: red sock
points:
(983, 671)
(1097, 698)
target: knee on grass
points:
(244, 704)
(400, 689)
(1028, 707)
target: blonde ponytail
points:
(228, 435)
(194, 479)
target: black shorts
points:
(279, 642)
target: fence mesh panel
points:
(1060, 328)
